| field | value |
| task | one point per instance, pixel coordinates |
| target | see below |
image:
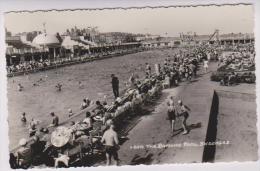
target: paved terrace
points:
(154, 129)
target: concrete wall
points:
(232, 122)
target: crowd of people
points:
(237, 66)
(240, 60)
(28, 66)
(101, 122)
(34, 65)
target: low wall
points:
(209, 151)
(233, 121)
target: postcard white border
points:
(32, 5)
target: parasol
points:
(60, 136)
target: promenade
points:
(151, 141)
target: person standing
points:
(110, 139)
(148, 70)
(88, 120)
(132, 80)
(171, 112)
(184, 113)
(115, 85)
(205, 65)
(192, 68)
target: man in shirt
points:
(115, 85)
(110, 139)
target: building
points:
(230, 38)
(162, 42)
(18, 49)
(193, 40)
(48, 42)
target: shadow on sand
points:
(142, 160)
(193, 81)
(190, 127)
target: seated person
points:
(107, 124)
(85, 104)
(37, 148)
(88, 120)
(105, 105)
(73, 130)
(232, 79)
(99, 108)
(62, 160)
(106, 117)
(24, 154)
(12, 161)
(224, 80)
(144, 88)
(55, 120)
(250, 78)
(113, 107)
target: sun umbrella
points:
(60, 136)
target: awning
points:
(68, 43)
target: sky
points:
(158, 21)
